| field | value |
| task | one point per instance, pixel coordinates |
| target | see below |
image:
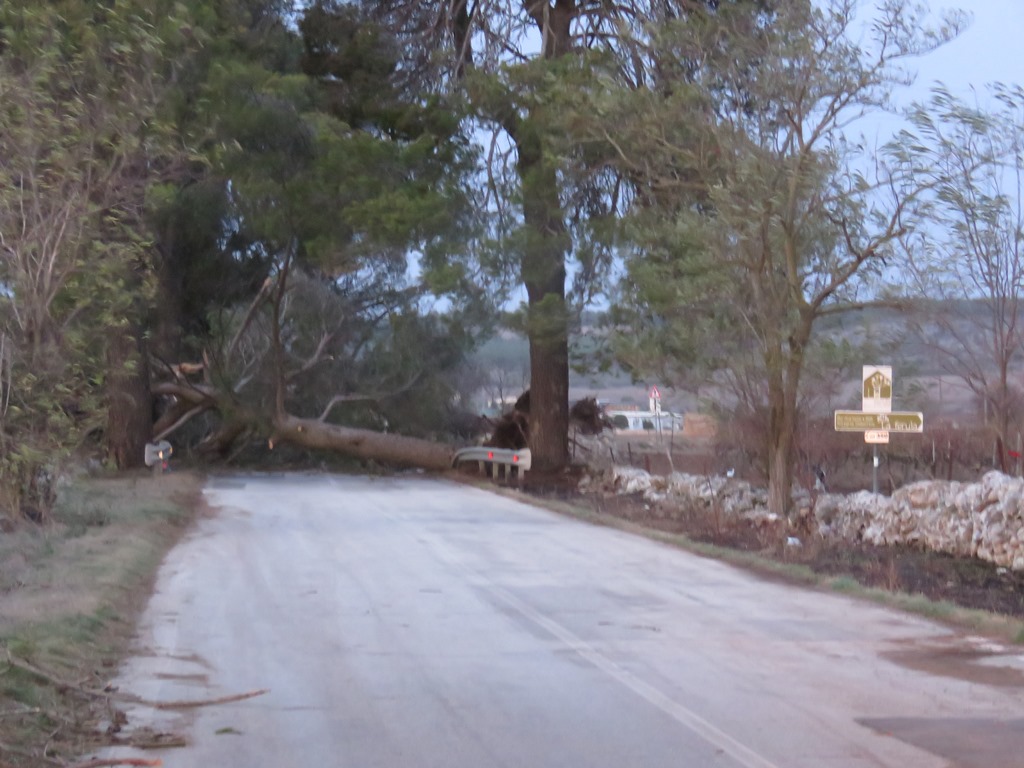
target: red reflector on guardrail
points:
(490, 454)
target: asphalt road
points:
(415, 622)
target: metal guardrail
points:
(503, 459)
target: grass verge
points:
(70, 593)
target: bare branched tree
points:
(971, 263)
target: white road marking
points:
(680, 713)
(685, 716)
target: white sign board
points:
(157, 452)
(876, 388)
(876, 436)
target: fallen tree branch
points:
(126, 698)
(182, 420)
(22, 711)
(246, 435)
(145, 738)
(240, 384)
(103, 762)
(363, 443)
(56, 682)
(180, 371)
(315, 358)
(249, 315)
(22, 753)
(371, 398)
(344, 399)
(220, 441)
(187, 391)
(192, 703)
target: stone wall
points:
(983, 520)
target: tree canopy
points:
(756, 211)
(255, 222)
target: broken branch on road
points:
(126, 698)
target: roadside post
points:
(156, 456)
(654, 400)
(877, 419)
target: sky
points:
(989, 50)
(992, 49)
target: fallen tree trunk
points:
(387, 448)
(362, 443)
(190, 399)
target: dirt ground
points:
(965, 582)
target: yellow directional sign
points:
(877, 388)
(897, 421)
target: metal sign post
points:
(876, 392)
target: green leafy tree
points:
(756, 215)
(204, 257)
(507, 57)
(80, 143)
(331, 191)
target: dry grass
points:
(69, 595)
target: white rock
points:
(983, 519)
(630, 480)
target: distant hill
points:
(908, 339)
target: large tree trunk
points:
(549, 397)
(780, 474)
(543, 272)
(170, 293)
(363, 443)
(129, 402)
(307, 433)
(543, 266)
(1003, 414)
(784, 364)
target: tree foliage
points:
(335, 178)
(175, 157)
(756, 214)
(553, 207)
(973, 266)
(80, 142)
(267, 201)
